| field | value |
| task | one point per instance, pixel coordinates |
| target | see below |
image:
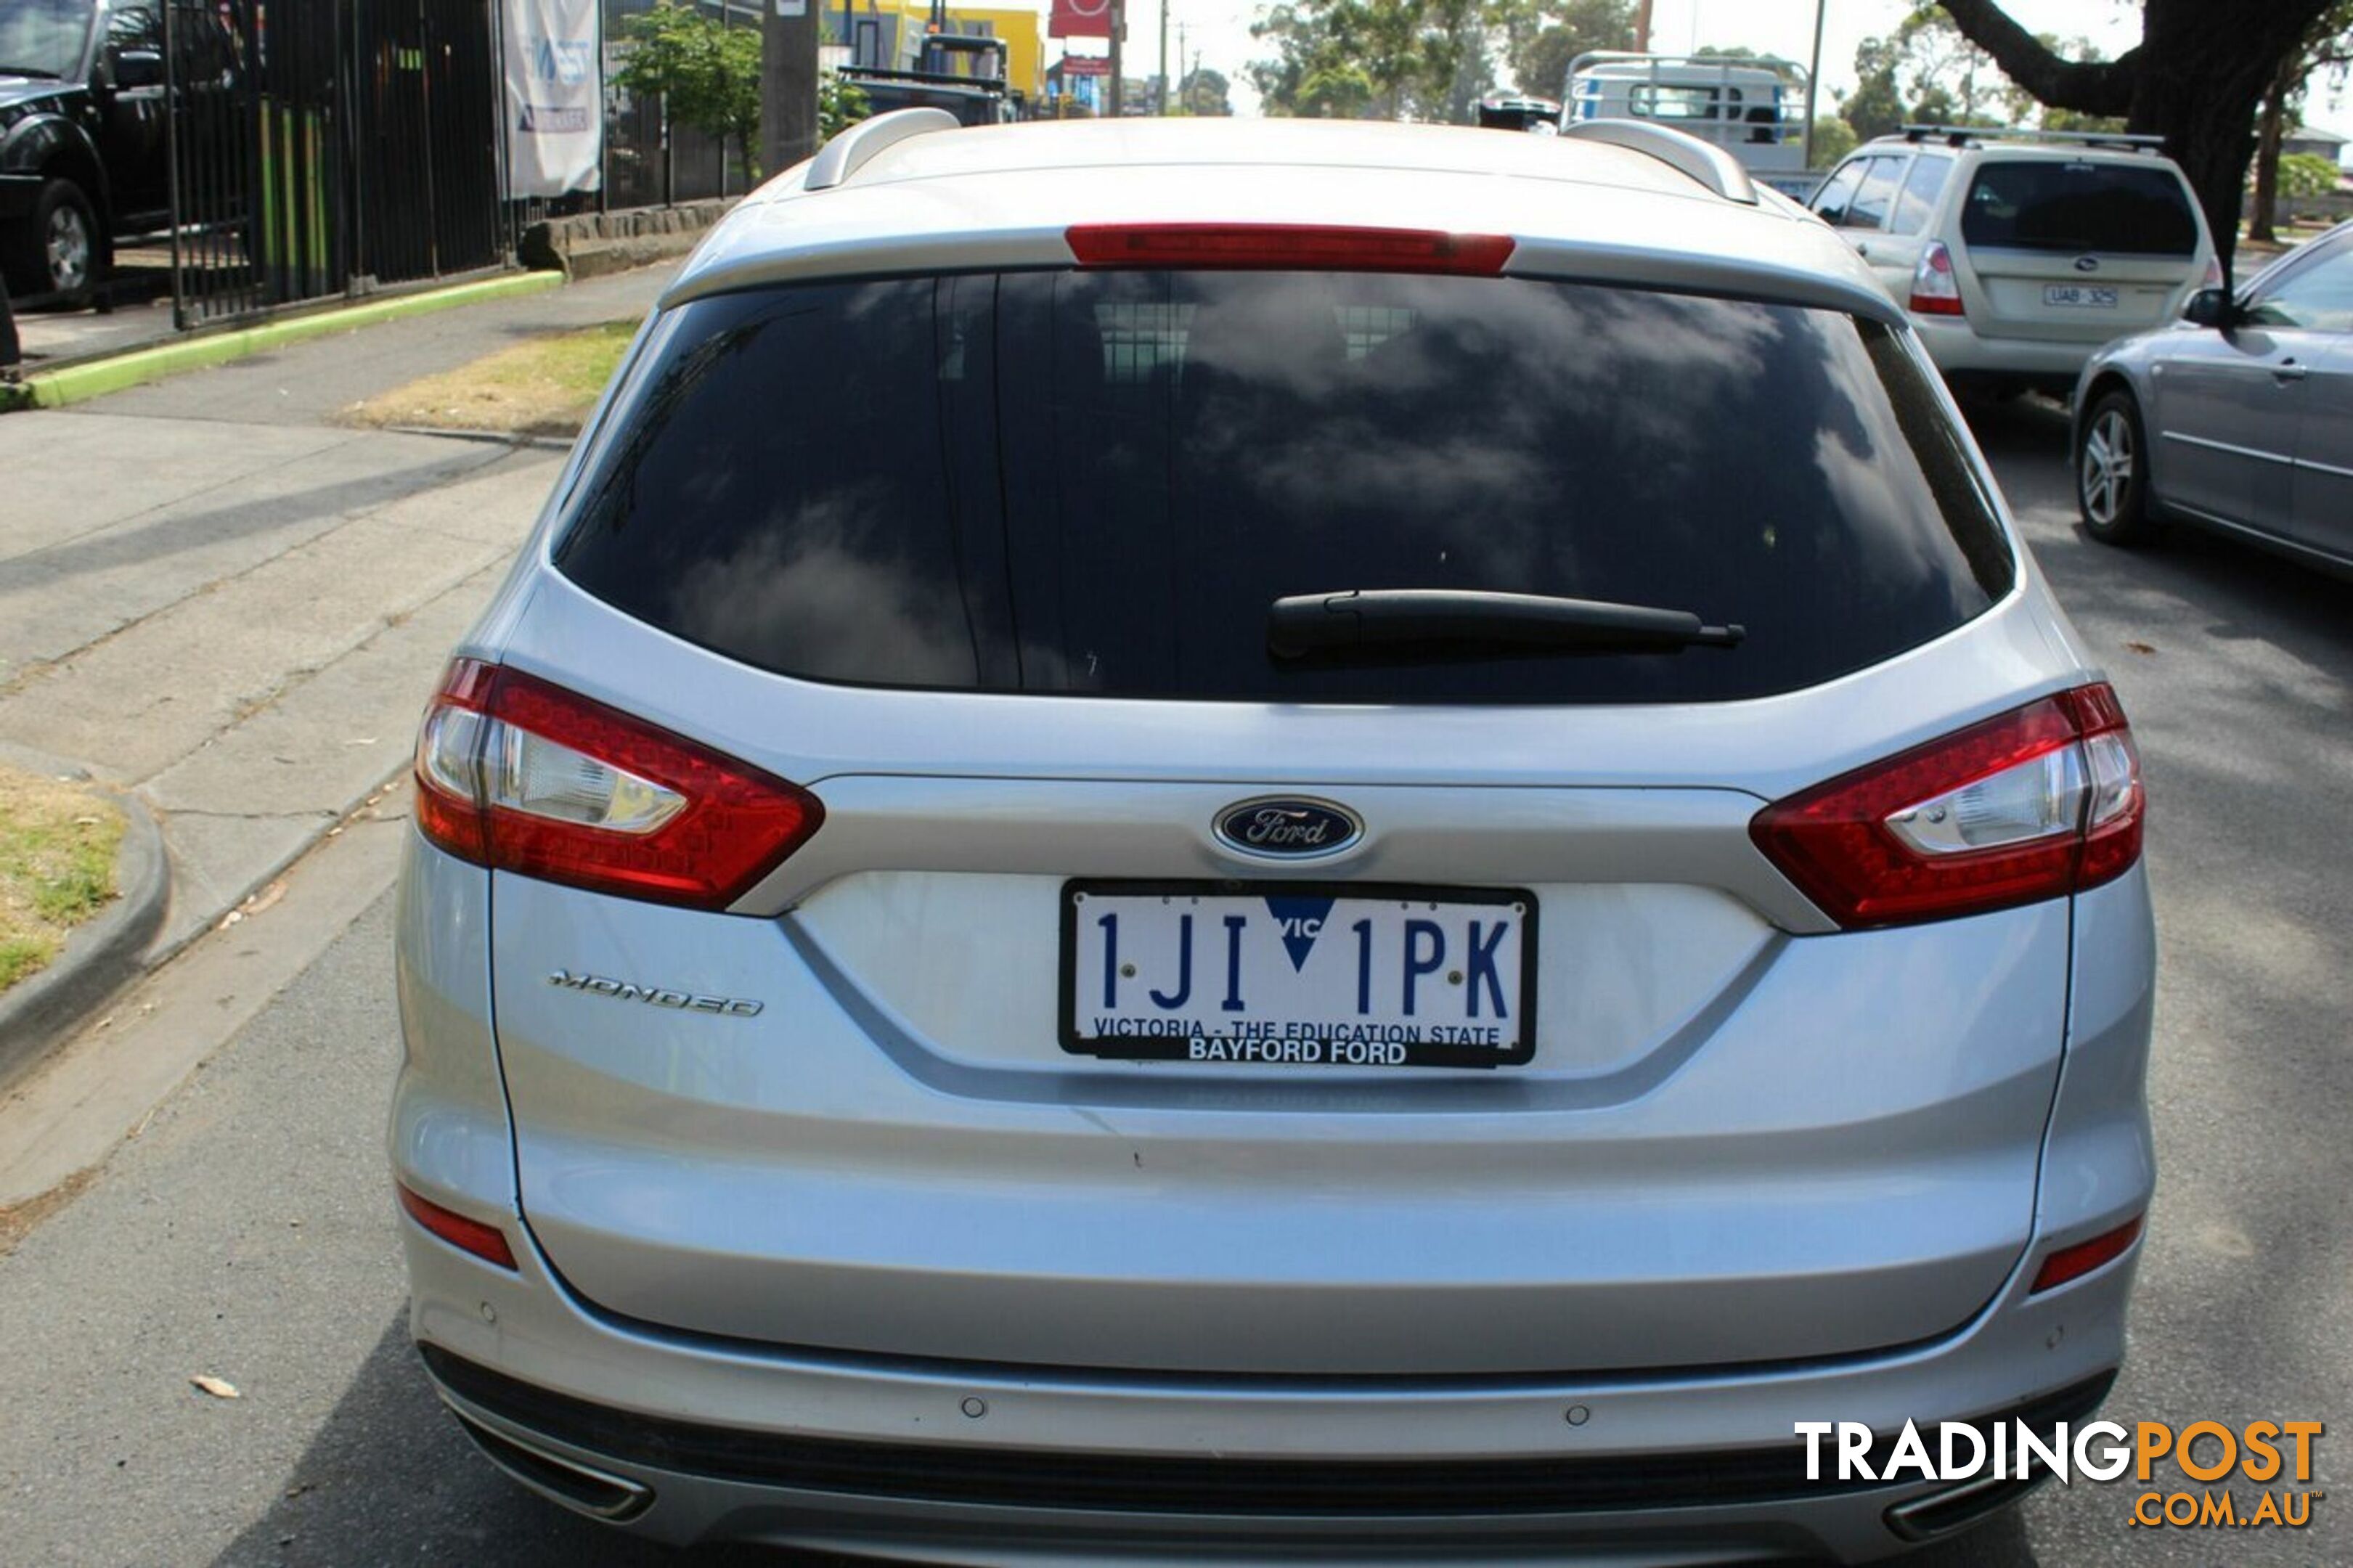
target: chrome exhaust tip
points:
(616, 1500)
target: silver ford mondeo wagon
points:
(1231, 840)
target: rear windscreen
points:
(2121, 208)
(1098, 482)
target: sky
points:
(1218, 31)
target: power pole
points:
(1813, 76)
(1643, 28)
(1118, 36)
(787, 84)
(1182, 76)
(1163, 54)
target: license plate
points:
(1309, 974)
(2079, 295)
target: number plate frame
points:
(2080, 296)
(1176, 1048)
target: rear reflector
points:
(519, 774)
(485, 1242)
(1287, 248)
(2035, 803)
(2074, 1262)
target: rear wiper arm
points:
(1308, 625)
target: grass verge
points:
(544, 386)
(57, 844)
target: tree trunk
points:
(2269, 133)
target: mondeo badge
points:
(1288, 828)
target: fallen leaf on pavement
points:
(264, 898)
(2138, 646)
(218, 1387)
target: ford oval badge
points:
(1289, 829)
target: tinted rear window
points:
(2121, 208)
(1082, 482)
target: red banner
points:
(1079, 20)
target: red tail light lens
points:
(519, 774)
(1293, 247)
(484, 1241)
(2038, 803)
(1936, 290)
(2074, 1262)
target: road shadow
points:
(388, 1478)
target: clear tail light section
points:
(2214, 278)
(2040, 802)
(519, 774)
(1936, 290)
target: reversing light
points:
(1295, 247)
(519, 774)
(2034, 804)
(484, 1241)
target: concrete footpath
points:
(214, 596)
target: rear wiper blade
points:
(1308, 625)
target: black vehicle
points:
(84, 156)
(1502, 112)
(963, 74)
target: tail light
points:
(519, 774)
(2040, 802)
(1935, 291)
(2214, 278)
(1275, 246)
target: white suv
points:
(2018, 253)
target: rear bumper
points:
(1959, 349)
(689, 1439)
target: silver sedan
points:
(2237, 417)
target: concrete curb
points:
(101, 956)
(95, 378)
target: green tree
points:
(1834, 140)
(2327, 45)
(1875, 107)
(1540, 39)
(1205, 91)
(708, 72)
(839, 105)
(2306, 175)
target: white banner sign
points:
(554, 96)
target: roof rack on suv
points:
(1711, 165)
(1962, 135)
(840, 159)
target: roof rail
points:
(1962, 135)
(1711, 165)
(840, 159)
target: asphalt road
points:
(246, 1233)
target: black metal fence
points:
(323, 145)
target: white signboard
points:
(554, 101)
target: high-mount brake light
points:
(1287, 248)
(519, 774)
(2034, 804)
(1936, 288)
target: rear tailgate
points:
(2077, 251)
(995, 591)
